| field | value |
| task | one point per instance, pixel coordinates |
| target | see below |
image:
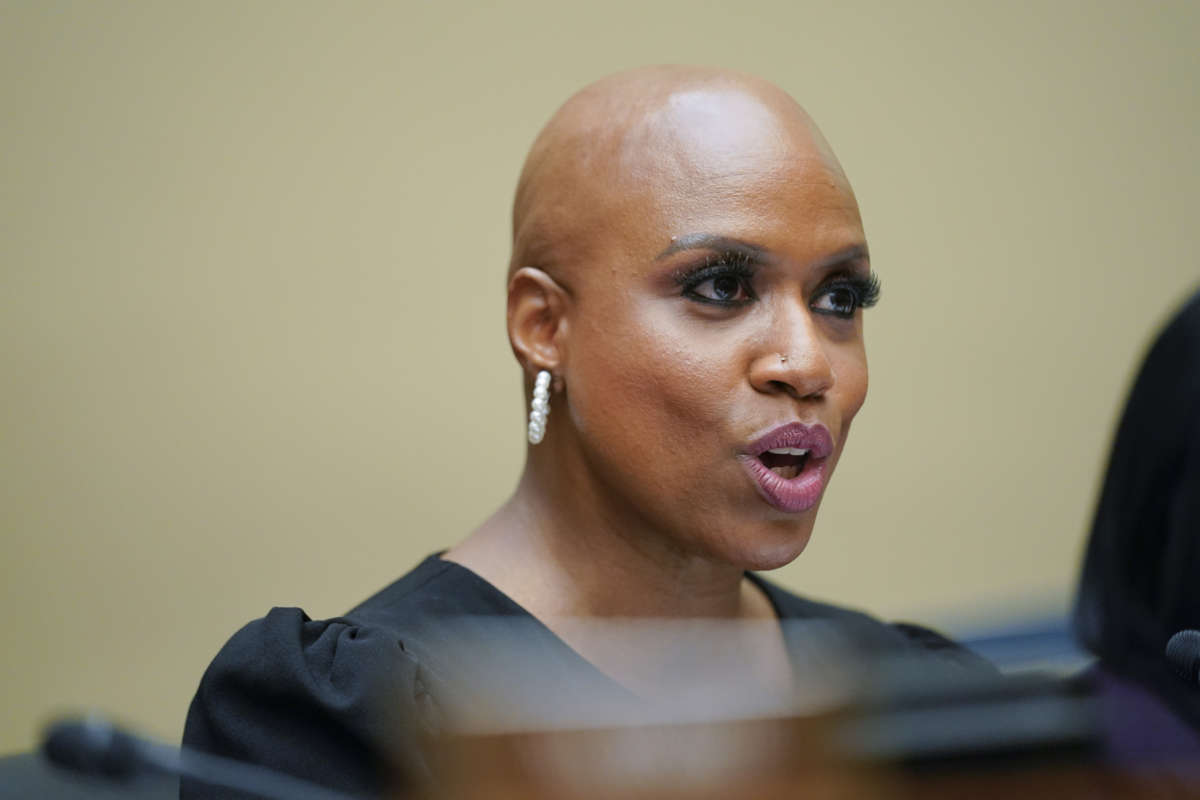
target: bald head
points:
(657, 135)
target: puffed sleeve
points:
(328, 701)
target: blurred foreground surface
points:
(853, 724)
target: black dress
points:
(343, 702)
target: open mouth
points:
(786, 462)
(789, 464)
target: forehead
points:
(731, 163)
(706, 130)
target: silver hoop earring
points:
(540, 408)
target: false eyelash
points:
(867, 289)
(732, 263)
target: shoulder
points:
(286, 652)
(323, 700)
(333, 701)
(340, 701)
(342, 660)
(865, 632)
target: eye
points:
(840, 300)
(726, 280)
(844, 296)
(725, 289)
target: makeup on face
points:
(727, 272)
(788, 465)
(696, 281)
(726, 276)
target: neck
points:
(560, 548)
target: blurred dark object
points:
(105, 756)
(30, 776)
(909, 716)
(1141, 575)
(1140, 729)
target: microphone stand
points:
(94, 747)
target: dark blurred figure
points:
(1141, 576)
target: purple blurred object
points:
(1139, 728)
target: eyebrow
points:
(711, 241)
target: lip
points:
(801, 493)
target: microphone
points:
(1183, 651)
(94, 747)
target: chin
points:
(771, 545)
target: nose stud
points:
(782, 358)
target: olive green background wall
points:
(251, 297)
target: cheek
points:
(638, 382)
(850, 387)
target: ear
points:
(537, 320)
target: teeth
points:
(788, 451)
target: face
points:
(719, 314)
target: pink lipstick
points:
(788, 465)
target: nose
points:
(793, 359)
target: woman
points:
(685, 299)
